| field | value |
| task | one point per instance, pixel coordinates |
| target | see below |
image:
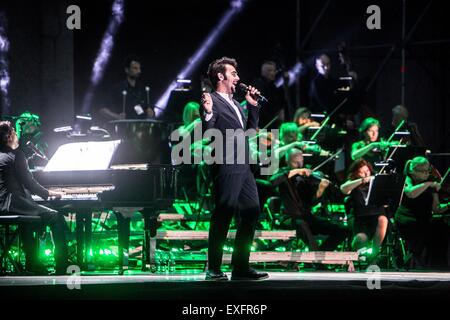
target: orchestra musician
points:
(414, 216)
(16, 184)
(130, 98)
(300, 189)
(371, 147)
(369, 223)
(302, 118)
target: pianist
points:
(16, 184)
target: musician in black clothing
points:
(16, 186)
(130, 98)
(371, 147)
(276, 104)
(400, 113)
(299, 191)
(323, 87)
(414, 216)
(369, 223)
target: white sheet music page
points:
(76, 156)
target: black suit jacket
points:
(224, 117)
(16, 183)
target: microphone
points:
(244, 87)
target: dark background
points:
(50, 66)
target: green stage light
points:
(48, 252)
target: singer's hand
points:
(207, 102)
(252, 95)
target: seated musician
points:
(191, 117)
(31, 142)
(302, 118)
(414, 216)
(400, 113)
(290, 137)
(371, 147)
(16, 184)
(299, 191)
(190, 173)
(369, 223)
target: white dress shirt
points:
(229, 99)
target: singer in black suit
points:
(234, 184)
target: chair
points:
(9, 238)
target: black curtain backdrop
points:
(50, 66)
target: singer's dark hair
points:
(218, 66)
(6, 130)
(129, 59)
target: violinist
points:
(300, 189)
(302, 118)
(369, 223)
(414, 216)
(399, 114)
(371, 147)
(290, 137)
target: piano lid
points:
(76, 156)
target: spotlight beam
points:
(197, 57)
(104, 53)
(4, 65)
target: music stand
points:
(75, 156)
(385, 189)
(403, 154)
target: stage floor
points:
(191, 287)
(103, 278)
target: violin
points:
(435, 176)
(318, 176)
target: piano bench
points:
(9, 237)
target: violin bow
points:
(327, 160)
(445, 175)
(328, 119)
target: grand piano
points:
(92, 180)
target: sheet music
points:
(91, 155)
